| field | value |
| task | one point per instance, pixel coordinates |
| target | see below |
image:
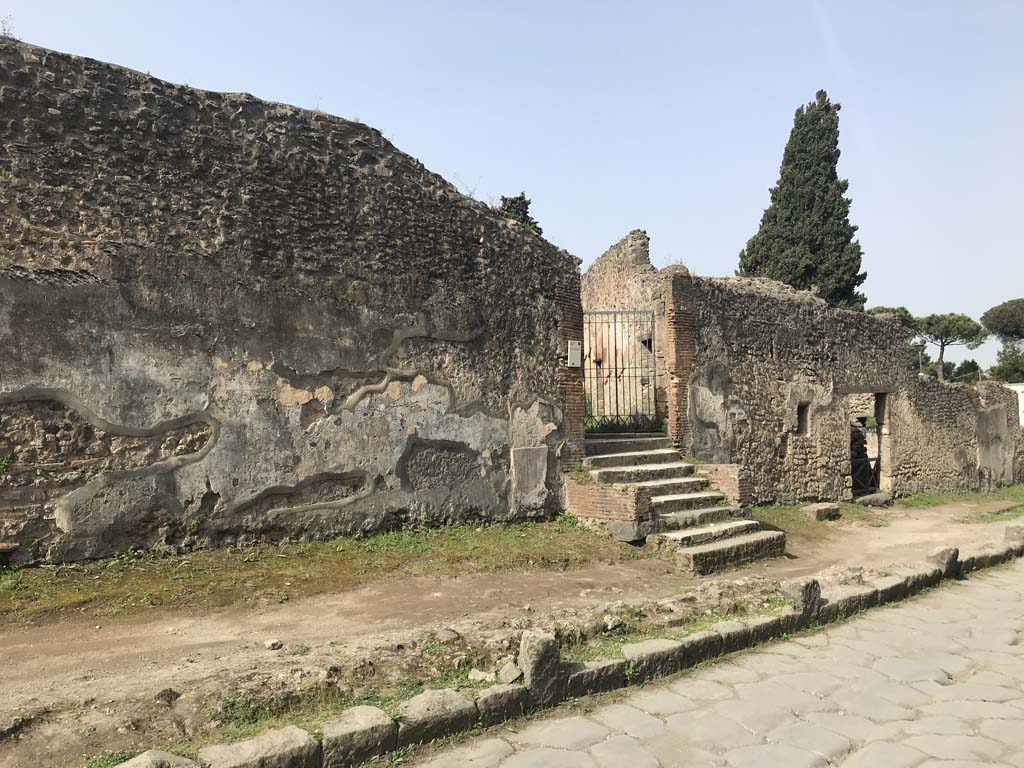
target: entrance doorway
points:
(619, 371)
(868, 443)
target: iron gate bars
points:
(619, 371)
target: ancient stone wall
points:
(227, 320)
(770, 378)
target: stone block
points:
(502, 702)
(540, 658)
(510, 673)
(287, 747)
(594, 677)
(921, 575)
(735, 635)
(841, 602)
(433, 714)
(529, 477)
(653, 658)
(631, 530)
(890, 588)
(823, 511)
(765, 628)
(947, 559)
(874, 499)
(805, 594)
(358, 735)
(701, 646)
(156, 759)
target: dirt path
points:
(97, 682)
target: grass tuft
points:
(265, 574)
(109, 760)
(941, 498)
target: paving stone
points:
(811, 682)
(871, 707)
(943, 724)
(623, 718)
(700, 690)
(711, 731)
(662, 702)
(550, 758)
(910, 670)
(857, 729)
(957, 747)
(757, 716)
(784, 697)
(562, 733)
(904, 695)
(812, 738)
(729, 674)
(882, 754)
(485, 754)
(674, 751)
(774, 756)
(1009, 732)
(968, 710)
(622, 751)
(967, 692)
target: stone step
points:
(673, 521)
(632, 458)
(705, 534)
(719, 555)
(603, 445)
(673, 485)
(675, 469)
(677, 502)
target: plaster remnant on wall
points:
(161, 243)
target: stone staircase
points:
(692, 518)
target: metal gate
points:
(865, 469)
(619, 371)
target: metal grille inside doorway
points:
(619, 371)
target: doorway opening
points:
(869, 443)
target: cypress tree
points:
(806, 238)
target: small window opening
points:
(803, 413)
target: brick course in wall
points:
(731, 479)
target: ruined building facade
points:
(779, 391)
(225, 320)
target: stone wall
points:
(227, 320)
(769, 377)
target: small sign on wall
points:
(575, 354)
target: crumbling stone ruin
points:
(764, 382)
(226, 320)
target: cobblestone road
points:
(936, 681)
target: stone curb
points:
(362, 733)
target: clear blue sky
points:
(667, 116)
